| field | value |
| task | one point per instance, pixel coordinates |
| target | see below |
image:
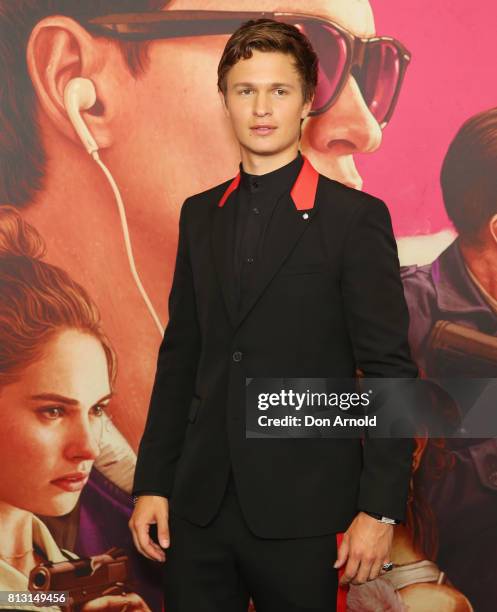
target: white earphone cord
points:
(127, 241)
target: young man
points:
(279, 272)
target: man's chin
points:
(267, 147)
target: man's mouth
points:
(263, 130)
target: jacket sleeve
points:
(173, 387)
(378, 322)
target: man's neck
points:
(78, 218)
(255, 163)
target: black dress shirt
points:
(257, 197)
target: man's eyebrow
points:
(55, 397)
(247, 84)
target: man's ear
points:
(59, 49)
(307, 107)
(223, 103)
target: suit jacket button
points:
(237, 356)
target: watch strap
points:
(382, 519)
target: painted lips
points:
(71, 483)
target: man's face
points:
(264, 102)
(183, 141)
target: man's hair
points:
(22, 158)
(267, 35)
(469, 175)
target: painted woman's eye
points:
(52, 412)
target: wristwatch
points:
(134, 498)
(383, 519)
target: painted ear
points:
(59, 51)
(492, 224)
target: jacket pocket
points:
(194, 406)
(304, 268)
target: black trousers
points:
(217, 568)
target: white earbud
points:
(79, 95)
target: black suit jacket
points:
(328, 299)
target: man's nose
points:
(347, 127)
(262, 104)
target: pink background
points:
(447, 81)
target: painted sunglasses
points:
(378, 64)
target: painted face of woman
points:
(52, 421)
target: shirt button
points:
(250, 260)
(237, 356)
(255, 210)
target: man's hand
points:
(150, 510)
(131, 602)
(365, 547)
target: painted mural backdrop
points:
(86, 263)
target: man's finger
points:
(138, 545)
(163, 529)
(375, 570)
(364, 569)
(350, 570)
(343, 553)
(131, 526)
(131, 602)
(148, 546)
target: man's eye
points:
(281, 92)
(245, 91)
(99, 410)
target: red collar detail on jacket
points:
(303, 192)
(231, 187)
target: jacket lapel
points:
(222, 245)
(292, 216)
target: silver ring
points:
(387, 566)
